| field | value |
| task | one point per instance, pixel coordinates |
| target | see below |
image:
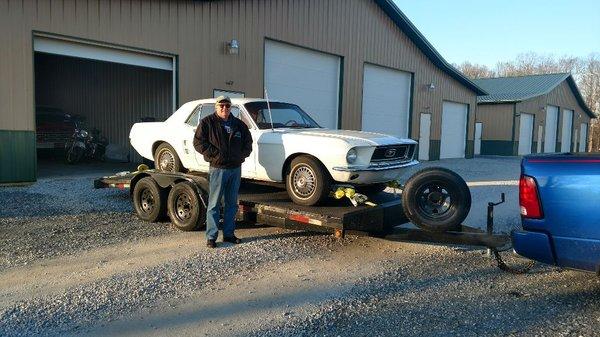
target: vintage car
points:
(288, 146)
(53, 127)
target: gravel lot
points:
(77, 261)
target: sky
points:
(489, 31)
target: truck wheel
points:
(186, 210)
(166, 159)
(307, 181)
(149, 200)
(436, 199)
(371, 189)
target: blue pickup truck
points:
(559, 196)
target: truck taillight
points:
(529, 199)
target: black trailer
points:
(183, 197)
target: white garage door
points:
(583, 137)
(454, 128)
(525, 134)
(567, 127)
(386, 101)
(305, 77)
(100, 52)
(551, 127)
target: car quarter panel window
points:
(204, 110)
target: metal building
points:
(531, 114)
(352, 64)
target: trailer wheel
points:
(186, 210)
(149, 200)
(436, 199)
(166, 159)
(307, 181)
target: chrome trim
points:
(379, 167)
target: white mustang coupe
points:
(287, 146)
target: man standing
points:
(225, 142)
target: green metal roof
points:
(521, 88)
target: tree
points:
(474, 70)
(532, 63)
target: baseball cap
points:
(223, 98)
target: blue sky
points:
(489, 31)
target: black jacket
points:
(220, 149)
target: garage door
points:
(525, 134)
(550, 129)
(454, 128)
(110, 88)
(583, 137)
(567, 127)
(386, 101)
(305, 77)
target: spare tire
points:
(436, 199)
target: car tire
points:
(166, 159)
(371, 189)
(436, 199)
(186, 210)
(307, 181)
(149, 200)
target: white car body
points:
(272, 149)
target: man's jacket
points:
(220, 149)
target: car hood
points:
(356, 138)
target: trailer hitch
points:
(494, 251)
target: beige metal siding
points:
(497, 121)
(357, 30)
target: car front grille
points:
(384, 155)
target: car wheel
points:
(307, 181)
(166, 159)
(149, 200)
(436, 199)
(371, 189)
(186, 210)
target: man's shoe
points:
(211, 244)
(232, 239)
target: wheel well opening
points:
(288, 162)
(156, 145)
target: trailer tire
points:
(436, 199)
(186, 210)
(149, 200)
(307, 181)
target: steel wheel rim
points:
(304, 181)
(184, 207)
(147, 201)
(434, 200)
(166, 160)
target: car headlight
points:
(351, 156)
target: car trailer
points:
(183, 197)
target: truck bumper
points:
(575, 253)
(533, 245)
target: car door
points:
(199, 113)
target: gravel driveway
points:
(75, 261)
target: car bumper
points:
(575, 253)
(370, 174)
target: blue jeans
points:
(225, 184)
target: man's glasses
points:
(225, 105)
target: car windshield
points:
(285, 115)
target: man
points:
(225, 142)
